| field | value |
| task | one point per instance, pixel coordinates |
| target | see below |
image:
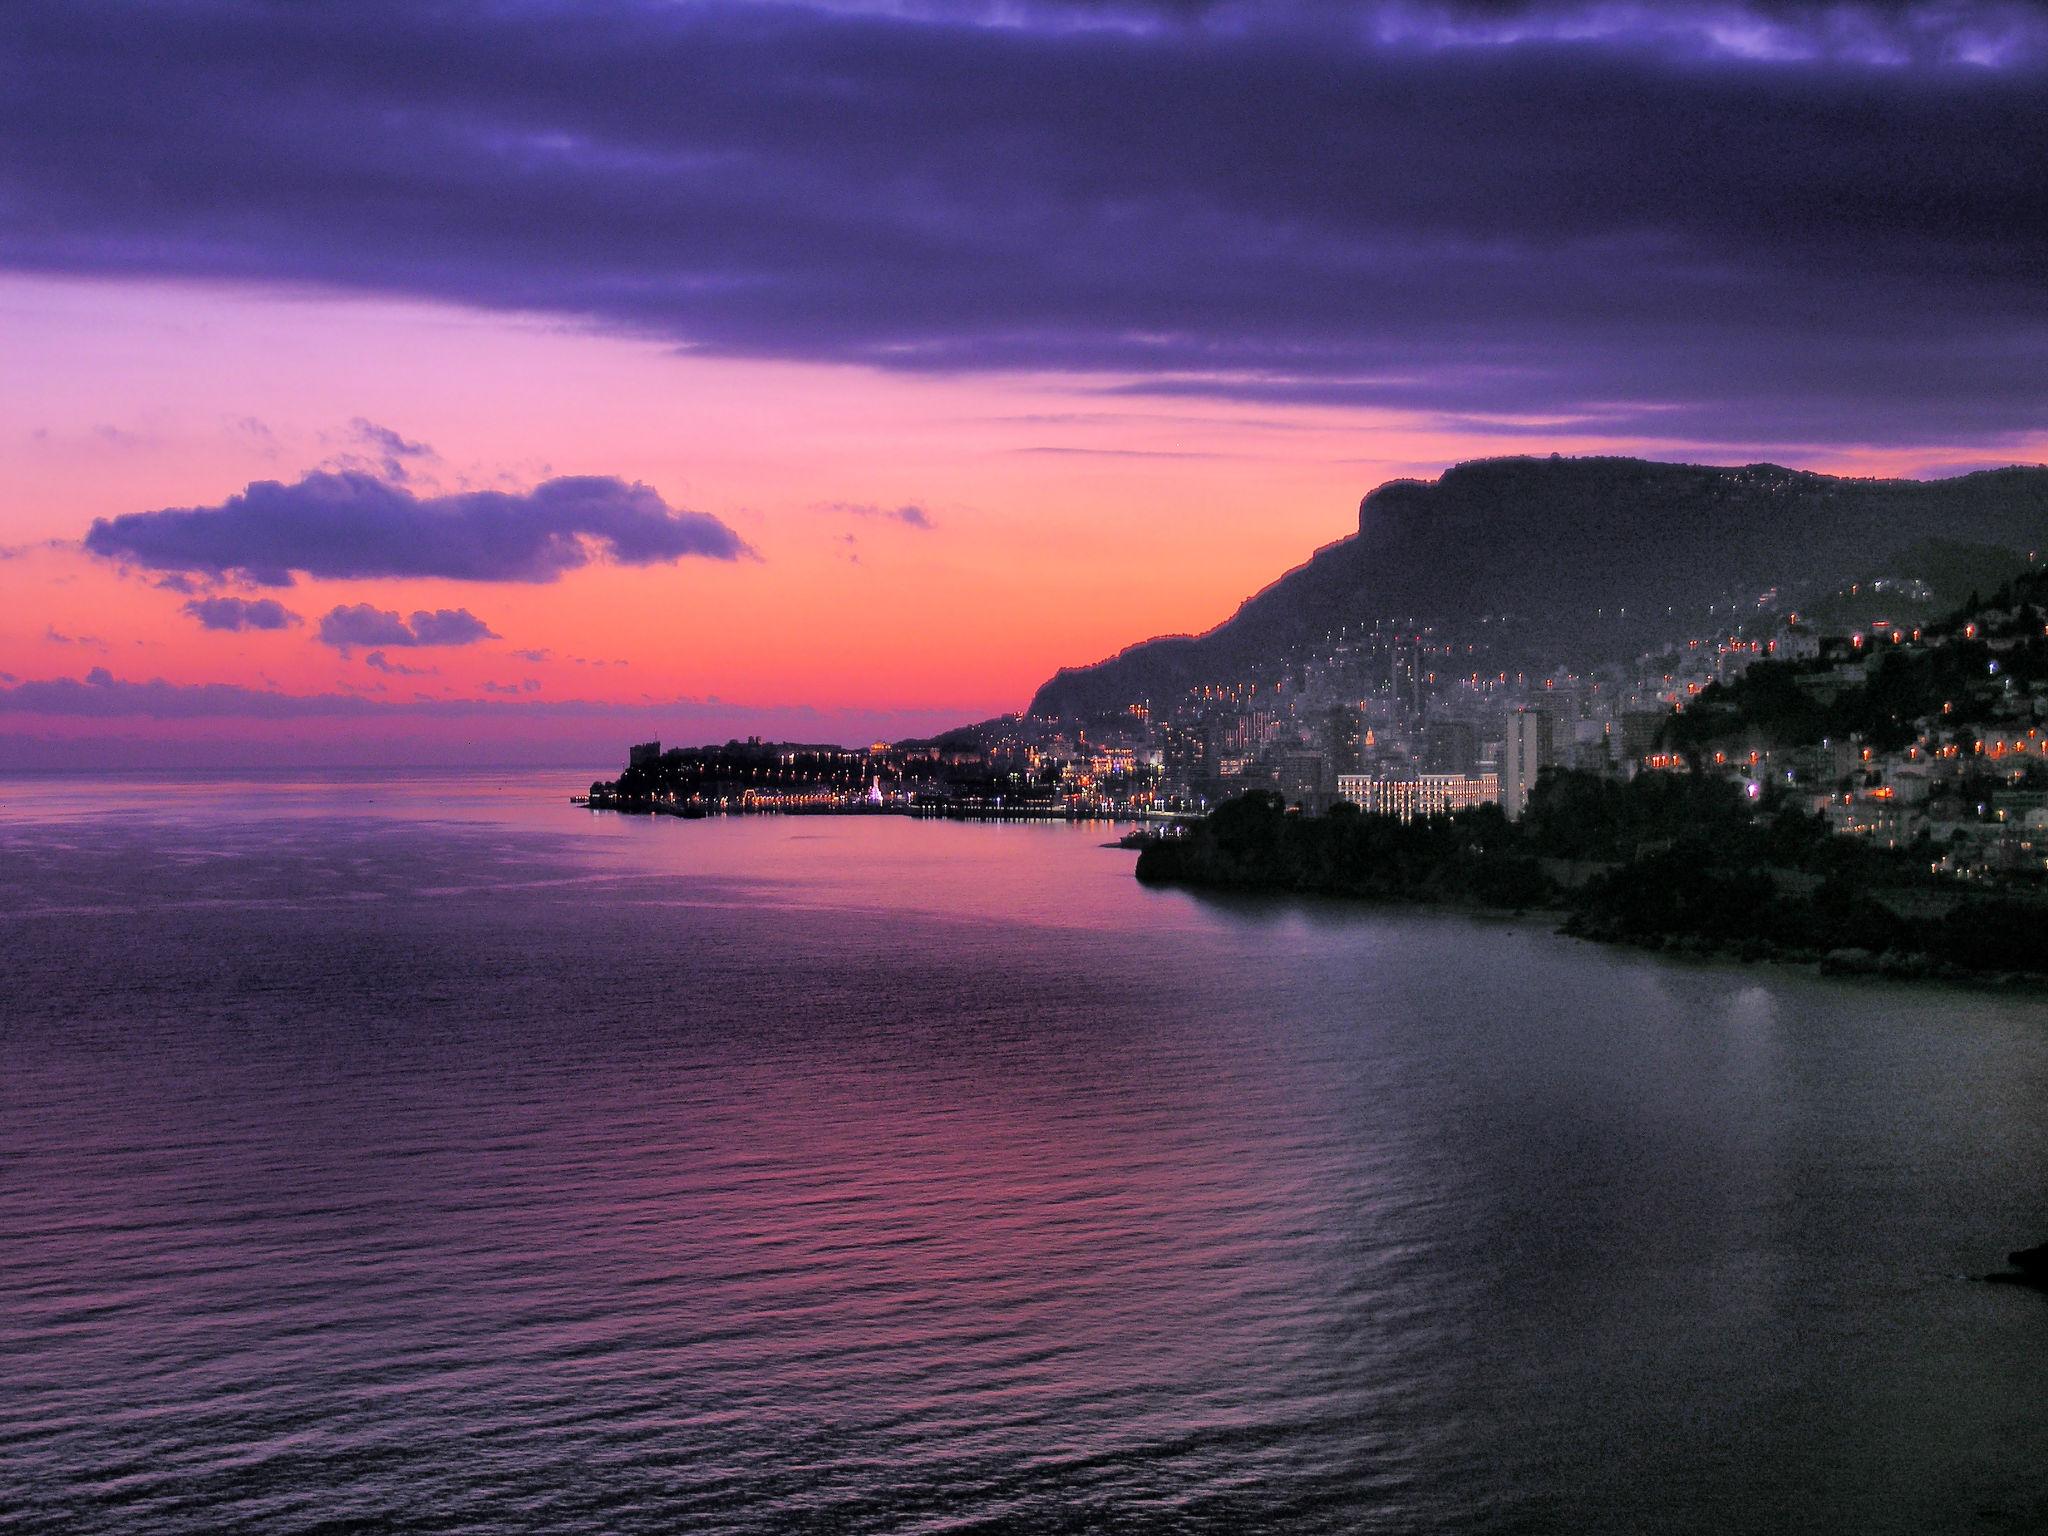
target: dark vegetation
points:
(1959, 681)
(1665, 861)
(1782, 702)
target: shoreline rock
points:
(2029, 1269)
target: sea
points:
(422, 1152)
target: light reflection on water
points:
(422, 1153)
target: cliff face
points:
(1546, 559)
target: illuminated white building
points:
(1428, 794)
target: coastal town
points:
(1927, 731)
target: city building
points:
(1531, 747)
(1304, 778)
(1342, 738)
(1450, 746)
(1639, 731)
(1427, 794)
(1228, 734)
(1184, 756)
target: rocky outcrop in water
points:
(2029, 1268)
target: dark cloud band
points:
(100, 695)
(1702, 221)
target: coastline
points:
(937, 812)
(1675, 868)
(1558, 921)
(1785, 914)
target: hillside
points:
(1545, 559)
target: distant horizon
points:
(190, 717)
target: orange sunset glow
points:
(1065, 520)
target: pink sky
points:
(1067, 522)
(1207, 274)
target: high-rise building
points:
(1450, 746)
(1305, 779)
(1405, 669)
(1228, 734)
(1531, 747)
(1184, 756)
(1342, 737)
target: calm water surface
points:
(421, 1153)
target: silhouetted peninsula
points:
(1677, 862)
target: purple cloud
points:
(353, 525)
(361, 624)
(102, 695)
(387, 453)
(1709, 221)
(237, 613)
(910, 514)
(377, 661)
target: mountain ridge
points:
(1586, 554)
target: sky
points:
(504, 382)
